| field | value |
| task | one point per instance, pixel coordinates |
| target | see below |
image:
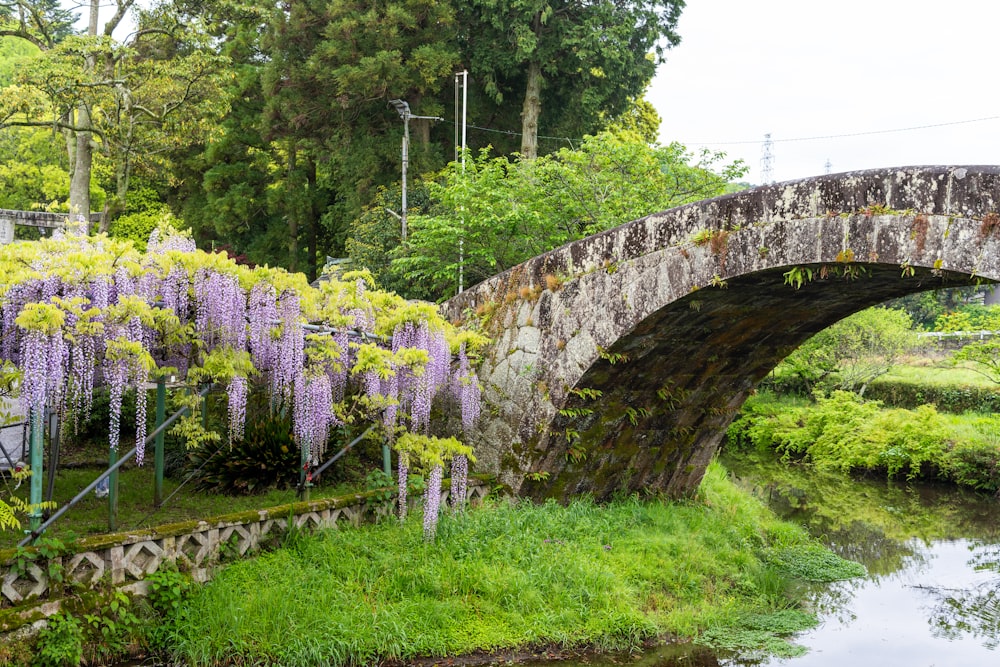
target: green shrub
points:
(112, 630)
(954, 398)
(137, 227)
(846, 433)
(60, 643)
(266, 458)
(168, 588)
(976, 465)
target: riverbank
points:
(846, 433)
(720, 569)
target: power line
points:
(849, 134)
(511, 133)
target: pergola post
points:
(113, 491)
(161, 413)
(36, 445)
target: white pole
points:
(406, 159)
(461, 238)
(465, 110)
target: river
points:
(932, 594)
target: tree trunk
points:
(532, 110)
(79, 186)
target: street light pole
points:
(406, 162)
(402, 107)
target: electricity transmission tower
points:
(767, 161)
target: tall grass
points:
(502, 576)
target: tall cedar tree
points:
(573, 65)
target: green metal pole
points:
(161, 413)
(113, 492)
(50, 487)
(36, 445)
(386, 459)
(304, 482)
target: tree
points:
(852, 352)
(505, 212)
(927, 307)
(40, 22)
(579, 59)
(133, 102)
(332, 67)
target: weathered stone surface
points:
(636, 346)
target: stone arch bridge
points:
(619, 360)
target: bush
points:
(168, 588)
(846, 433)
(60, 643)
(954, 399)
(266, 458)
(137, 227)
(848, 355)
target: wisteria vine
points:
(76, 312)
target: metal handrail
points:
(118, 464)
(318, 471)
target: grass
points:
(937, 374)
(513, 575)
(135, 503)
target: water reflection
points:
(932, 596)
(672, 655)
(974, 611)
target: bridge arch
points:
(619, 360)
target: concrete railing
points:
(124, 559)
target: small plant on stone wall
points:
(989, 226)
(44, 554)
(587, 393)
(553, 282)
(719, 244)
(845, 256)
(797, 276)
(701, 237)
(59, 643)
(612, 357)
(113, 630)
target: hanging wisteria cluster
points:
(76, 312)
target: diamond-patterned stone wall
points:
(198, 551)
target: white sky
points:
(804, 68)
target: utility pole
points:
(828, 166)
(403, 109)
(461, 79)
(767, 161)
